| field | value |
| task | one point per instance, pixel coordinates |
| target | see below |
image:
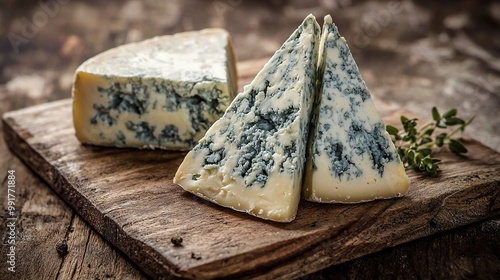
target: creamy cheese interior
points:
(160, 93)
(351, 157)
(252, 159)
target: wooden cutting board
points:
(128, 196)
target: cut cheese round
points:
(164, 92)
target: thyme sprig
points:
(415, 146)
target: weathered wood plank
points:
(466, 253)
(90, 257)
(35, 210)
(128, 197)
(44, 221)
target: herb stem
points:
(427, 125)
(454, 132)
(415, 146)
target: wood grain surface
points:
(128, 197)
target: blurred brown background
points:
(416, 54)
(420, 53)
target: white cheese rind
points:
(160, 93)
(351, 157)
(252, 159)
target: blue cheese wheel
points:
(351, 157)
(252, 159)
(163, 93)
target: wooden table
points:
(415, 55)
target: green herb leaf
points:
(415, 145)
(454, 121)
(409, 125)
(435, 114)
(427, 160)
(456, 147)
(440, 139)
(425, 140)
(435, 160)
(413, 132)
(429, 132)
(392, 130)
(432, 169)
(425, 152)
(450, 113)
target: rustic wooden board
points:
(128, 197)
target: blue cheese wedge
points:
(164, 92)
(252, 159)
(351, 157)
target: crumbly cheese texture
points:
(351, 157)
(164, 92)
(252, 159)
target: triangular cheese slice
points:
(252, 159)
(351, 157)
